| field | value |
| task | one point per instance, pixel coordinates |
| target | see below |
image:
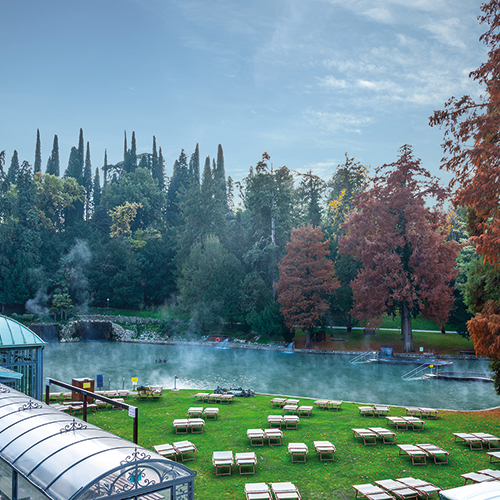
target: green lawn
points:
(354, 463)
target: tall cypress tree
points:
(13, 171)
(53, 161)
(178, 182)
(161, 170)
(194, 166)
(157, 169)
(125, 153)
(37, 166)
(133, 154)
(87, 183)
(220, 178)
(81, 148)
(96, 192)
(75, 168)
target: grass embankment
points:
(354, 463)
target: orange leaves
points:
(484, 330)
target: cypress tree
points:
(220, 178)
(161, 170)
(53, 161)
(145, 163)
(13, 171)
(125, 153)
(105, 167)
(96, 192)
(87, 183)
(132, 160)
(157, 167)
(37, 166)
(81, 148)
(74, 166)
(194, 166)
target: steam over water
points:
(303, 375)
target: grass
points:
(354, 463)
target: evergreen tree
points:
(133, 154)
(96, 191)
(53, 161)
(157, 169)
(81, 148)
(178, 183)
(105, 168)
(87, 183)
(13, 171)
(125, 153)
(75, 213)
(194, 166)
(161, 170)
(144, 162)
(37, 166)
(220, 179)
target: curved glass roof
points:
(13, 333)
(71, 459)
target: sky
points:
(306, 81)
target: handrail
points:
(412, 374)
(133, 411)
(361, 358)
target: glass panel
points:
(165, 494)
(182, 491)
(26, 491)
(5, 481)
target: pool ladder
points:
(362, 358)
(416, 373)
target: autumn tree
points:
(306, 279)
(408, 263)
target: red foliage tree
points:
(407, 262)
(306, 279)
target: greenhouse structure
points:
(47, 454)
(21, 352)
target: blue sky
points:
(304, 80)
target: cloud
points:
(333, 122)
(448, 31)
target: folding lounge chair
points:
(417, 455)
(333, 405)
(494, 456)
(277, 402)
(291, 421)
(321, 404)
(185, 449)
(299, 450)
(304, 411)
(381, 411)
(399, 422)
(196, 425)
(195, 411)
(246, 460)
(201, 396)
(492, 441)
(417, 424)
(372, 492)
(256, 437)
(440, 456)
(289, 409)
(399, 489)
(273, 436)
(181, 425)
(211, 413)
(424, 488)
(388, 436)
(366, 411)
(495, 474)
(368, 437)
(257, 491)
(275, 421)
(166, 450)
(286, 491)
(430, 413)
(412, 411)
(214, 398)
(226, 398)
(290, 401)
(474, 442)
(476, 477)
(222, 461)
(325, 449)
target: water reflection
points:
(304, 375)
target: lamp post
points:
(176, 378)
(107, 306)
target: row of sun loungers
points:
(475, 440)
(185, 425)
(376, 410)
(223, 462)
(370, 435)
(213, 397)
(419, 453)
(422, 412)
(281, 491)
(185, 450)
(290, 421)
(404, 488)
(257, 436)
(482, 476)
(404, 423)
(327, 404)
(198, 411)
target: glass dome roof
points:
(71, 459)
(13, 333)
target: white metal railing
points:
(362, 358)
(416, 373)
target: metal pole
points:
(136, 426)
(47, 392)
(84, 407)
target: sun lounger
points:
(430, 413)
(494, 456)
(424, 488)
(290, 401)
(492, 441)
(185, 449)
(334, 405)
(195, 411)
(196, 425)
(273, 436)
(476, 477)
(398, 489)
(275, 420)
(256, 437)
(381, 411)
(166, 450)
(368, 437)
(474, 442)
(321, 404)
(246, 460)
(439, 455)
(290, 409)
(257, 491)
(417, 455)
(291, 421)
(372, 492)
(278, 402)
(325, 449)
(413, 411)
(201, 396)
(388, 436)
(181, 425)
(417, 424)
(211, 413)
(156, 392)
(304, 411)
(214, 398)
(399, 422)
(495, 474)
(366, 411)
(226, 398)
(222, 461)
(286, 491)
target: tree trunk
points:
(349, 323)
(308, 338)
(406, 327)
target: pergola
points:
(21, 352)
